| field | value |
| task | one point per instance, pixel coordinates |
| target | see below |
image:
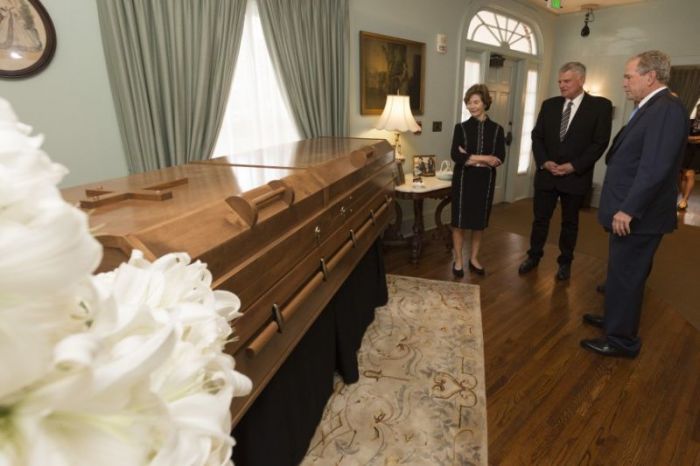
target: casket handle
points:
(257, 345)
(359, 157)
(326, 268)
(248, 209)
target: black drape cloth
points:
(278, 427)
(354, 303)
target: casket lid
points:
(308, 166)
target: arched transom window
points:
(502, 31)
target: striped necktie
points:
(565, 120)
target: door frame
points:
(517, 185)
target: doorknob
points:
(509, 136)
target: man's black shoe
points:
(527, 265)
(564, 272)
(604, 348)
(595, 320)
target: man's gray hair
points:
(575, 66)
(657, 61)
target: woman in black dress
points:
(691, 162)
(478, 147)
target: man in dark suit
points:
(571, 134)
(638, 202)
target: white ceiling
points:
(573, 6)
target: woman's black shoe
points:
(457, 273)
(476, 269)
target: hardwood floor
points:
(552, 403)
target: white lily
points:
(25, 170)
(198, 381)
(46, 252)
(127, 367)
(102, 414)
(29, 333)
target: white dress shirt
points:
(576, 104)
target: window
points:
(528, 122)
(501, 31)
(257, 113)
(472, 75)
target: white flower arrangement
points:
(121, 368)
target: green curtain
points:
(685, 81)
(170, 65)
(308, 41)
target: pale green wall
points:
(421, 21)
(618, 33)
(70, 102)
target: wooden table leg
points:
(392, 234)
(418, 229)
(442, 229)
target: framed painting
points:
(389, 65)
(27, 38)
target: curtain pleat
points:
(685, 81)
(309, 44)
(170, 65)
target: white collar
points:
(576, 100)
(650, 95)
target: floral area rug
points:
(420, 399)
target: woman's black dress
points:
(692, 151)
(472, 186)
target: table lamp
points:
(397, 117)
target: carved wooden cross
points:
(98, 197)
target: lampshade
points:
(397, 115)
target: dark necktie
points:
(565, 120)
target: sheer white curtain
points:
(472, 75)
(257, 113)
(529, 119)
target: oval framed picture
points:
(27, 38)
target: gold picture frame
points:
(387, 65)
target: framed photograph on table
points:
(389, 65)
(27, 38)
(424, 165)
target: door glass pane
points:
(502, 31)
(472, 75)
(484, 35)
(528, 122)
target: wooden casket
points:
(281, 227)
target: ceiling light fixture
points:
(590, 17)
